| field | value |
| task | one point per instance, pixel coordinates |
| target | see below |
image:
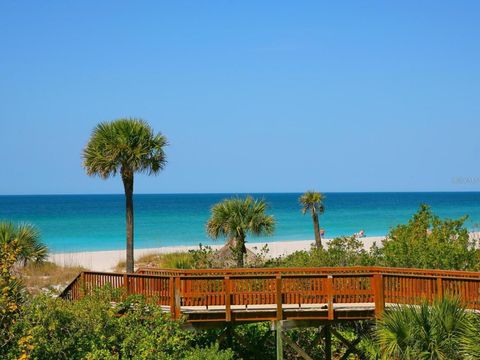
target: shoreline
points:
(106, 260)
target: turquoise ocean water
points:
(96, 222)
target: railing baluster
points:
(82, 285)
(178, 302)
(331, 313)
(439, 288)
(171, 291)
(228, 310)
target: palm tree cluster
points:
(128, 146)
(125, 147)
(235, 218)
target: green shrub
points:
(427, 241)
(92, 328)
(11, 295)
(342, 251)
(96, 354)
(210, 353)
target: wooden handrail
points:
(285, 287)
(351, 269)
(67, 293)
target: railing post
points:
(279, 340)
(171, 291)
(82, 285)
(328, 342)
(178, 302)
(378, 294)
(228, 310)
(439, 288)
(331, 313)
(278, 297)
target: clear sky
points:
(254, 96)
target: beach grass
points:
(47, 276)
(174, 260)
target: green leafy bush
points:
(92, 328)
(209, 353)
(10, 293)
(427, 241)
(342, 251)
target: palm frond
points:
(470, 340)
(125, 144)
(240, 215)
(425, 331)
(312, 201)
(31, 248)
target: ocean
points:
(71, 223)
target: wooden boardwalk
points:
(263, 294)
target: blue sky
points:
(253, 96)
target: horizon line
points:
(252, 192)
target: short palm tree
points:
(27, 238)
(423, 332)
(235, 218)
(125, 147)
(312, 201)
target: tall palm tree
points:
(125, 146)
(235, 218)
(27, 239)
(313, 201)
(423, 332)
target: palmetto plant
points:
(125, 147)
(235, 218)
(312, 201)
(470, 342)
(27, 239)
(424, 331)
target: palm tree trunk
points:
(128, 186)
(316, 229)
(240, 251)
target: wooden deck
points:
(318, 294)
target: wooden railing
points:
(273, 294)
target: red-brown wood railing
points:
(226, 289)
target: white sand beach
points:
(107, 260)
